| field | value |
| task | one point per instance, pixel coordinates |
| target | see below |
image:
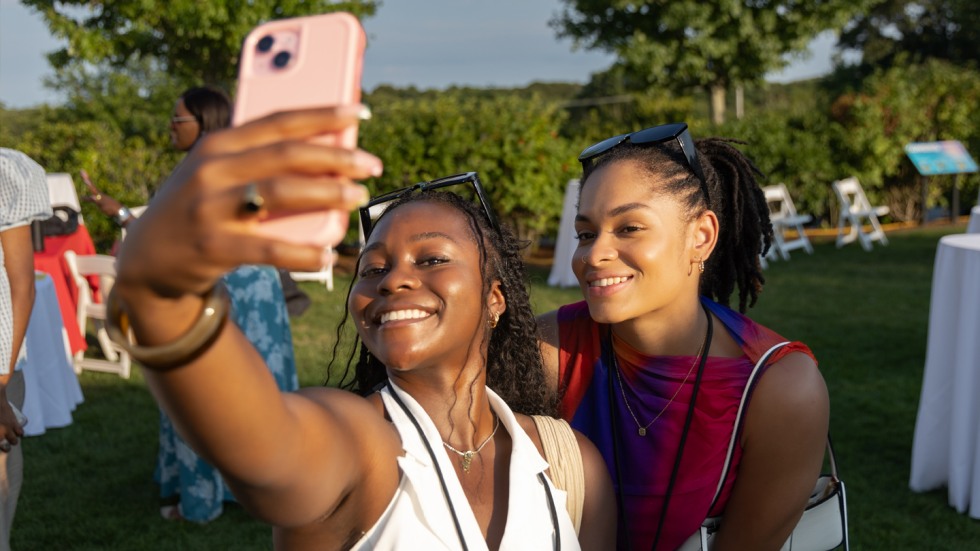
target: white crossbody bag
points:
(823, 525)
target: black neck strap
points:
(435, 463)
(445, 488)
(609, 360)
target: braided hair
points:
(745, 231)
(514, 368)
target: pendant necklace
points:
(641, 429)
(468, 455)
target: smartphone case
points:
(321, 60)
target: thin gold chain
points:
(640, 428)
(468, 455)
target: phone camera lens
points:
(265, 44)
(281, 59)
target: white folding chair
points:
(787, 225)
(325, 276)
(855, 211)
(102, 266)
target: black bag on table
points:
(63, 221)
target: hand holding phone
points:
(298, 63)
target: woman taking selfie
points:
(430, 457)
(653, 363)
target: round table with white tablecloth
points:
(946, 443)
(52, 390)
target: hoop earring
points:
(701, 266)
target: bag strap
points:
(738, 420)
(566, 471)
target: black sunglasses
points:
(650, 136)
(471, 178)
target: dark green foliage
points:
(512, 140)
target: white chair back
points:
(61, 190)
(116, 360)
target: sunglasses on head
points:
(376, 207)
(651, 136)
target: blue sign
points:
(948, 157)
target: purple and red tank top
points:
(646, 462)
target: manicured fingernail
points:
(356, 195)
(358, 110)
(367, 161)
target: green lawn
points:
(89, 485)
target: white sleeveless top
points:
(418, 516)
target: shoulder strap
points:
(738, 419)
(566, 471)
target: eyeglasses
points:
(370, 212)
(650, 136)
(178, 120)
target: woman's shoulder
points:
(792, 390)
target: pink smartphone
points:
(297, 63)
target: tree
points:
(192, 41)
(680, 44)
(922, 29)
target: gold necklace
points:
(468, 455)
(640, 428)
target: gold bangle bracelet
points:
(187, 347)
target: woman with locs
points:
(431, 458)
(652, 364)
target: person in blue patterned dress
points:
(193, 489)
(259, 310)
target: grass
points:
(864, 314)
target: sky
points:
(421, 43)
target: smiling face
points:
(637, 251)
(418, 301)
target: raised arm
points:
(289, 458)
(784, 441)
